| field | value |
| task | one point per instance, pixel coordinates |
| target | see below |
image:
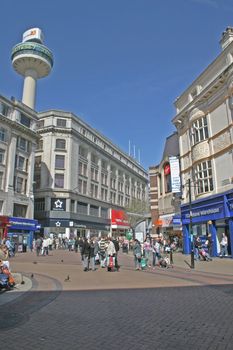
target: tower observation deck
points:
(33, 61)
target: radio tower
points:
(33, 61)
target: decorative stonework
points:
(195, 114)
(221, 142)
(201, 150)
(186, 162)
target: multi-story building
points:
(81, 177)
(18, 139)
(153, 195)
(204, 120)
(165, 203)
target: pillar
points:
(186, 240)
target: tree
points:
(136, 211)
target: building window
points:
(94, 174)
(94, 210)
(203, 177)
(113, 183)
(104, 194)
(40, 145)
(20, 163)
(72, 205)
(94, 159)
(120, 186)
(39, 204)
(82, 169)
(127, 201)
(18, 184)
(1, 180)
(2, 156)
(59, 162)
(82, 186)
(37, 162)
(94, 191)
(104, 179)
(120, 199)
(40, 124)
(82, 208)
(20, 210)
(3, 135)
(60, 144)
(112, 197)
(59, 180)
(23, 144)
(61, 122)
(104, 213)
(199, 130)
(37, 181)
(25, 120)
(4, 109)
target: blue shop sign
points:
(203, 213)
(177, 220)
(22, 224)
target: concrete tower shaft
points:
(32, 60)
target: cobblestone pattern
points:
(185, 317)
(158, 318)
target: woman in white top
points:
(224, 245)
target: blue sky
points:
(118, 64)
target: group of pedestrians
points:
(151, 253)
(42, 245)
(100, 251)
(203, 247)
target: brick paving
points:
(175, 308)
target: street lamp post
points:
(191, 225)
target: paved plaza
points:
(59, 306)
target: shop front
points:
(66, 228)
(211, 216)
(19, 230)
(119, 223)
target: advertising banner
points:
(175, 174)
(119, 218)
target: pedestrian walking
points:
(224, 245)
(92, 254)
(85, 253)
(102, 251)
(117, 248)
(137, 251)
(147, 250)
(38, 245)
(110, 254)
(156, 251)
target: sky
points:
(118, 64)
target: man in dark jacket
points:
(117, 248)
(85, 252)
